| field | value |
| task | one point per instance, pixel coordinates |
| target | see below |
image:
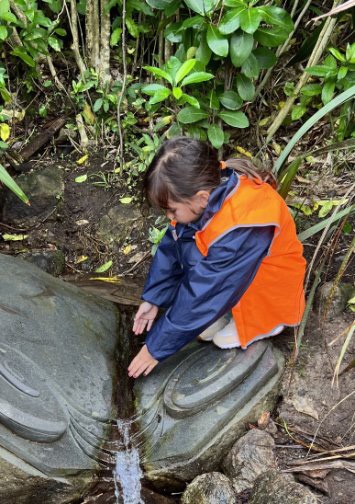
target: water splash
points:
(127, 473)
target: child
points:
(231, 246)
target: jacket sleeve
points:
(165, 273)
(210, 289)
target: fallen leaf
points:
(14, 237)
(82, 159)
(104, 267)
(113, 279)
(243, 151)
(127, 249)
(4, 131)
(81, 178)
(88, 114)
(82, 222)
(304, 405)
(81, 259)
(137, 257)
(126, 200)
(264, 419)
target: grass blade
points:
(7, 180)
(304, 235)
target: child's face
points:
(189, 210)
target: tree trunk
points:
(105, 75)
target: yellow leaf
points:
(113, 279)
(127, 249)
(14, 237)
(88, 114)
(264, 121)
(81, 259)
(277, 148)
(4, 131)
(243, 151)
(82, 159)
(281, 104)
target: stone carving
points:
(56, 383)
(197, 403)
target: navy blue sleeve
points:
(210, 289)
(164, 275)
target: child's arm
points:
(210, 289)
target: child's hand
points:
(144, 317)
(142, 363)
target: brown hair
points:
(183, 166)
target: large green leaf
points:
(21, 53)
(250, 20)
(250, 67)
(203, 53)
(265, 57)
(7, 180)
(245, 87)
(151, 89)
(159, 72)
(193, 22)
(190, 115)
(191, 100)
(270, 37)
(230, 22)
(4, 7)
(231, 100)
(196, 77)
(215, 135)
(159, 96)
(159, 4)
(335, 102)
(196, 5)
(235, 3)
(217, 42)
(3, 33)
(235, 119)
(185, 68)
(275, 16)
(240, 47)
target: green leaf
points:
(172, 8)
(328, 91)
(342, 72)
(98, 104)
(231, 100)
(191, 100)
(276, 17)
(21, 53)
(81, 178)
(14, 237)
(298, 111)
(265, 57)
(216, 41)
(235, 119)
(250, 20)
(159, 96)
(215, 135)
(321, 71)
(250, 67)
(245, 87)
(337, 54)
(151, 89)
(190, 115)
(197, 6)
(234, 3)
(3, 33)
(240, 47)
(9, 182)
(335, 102)
(177, 92)
(193, 22)
(4, 7)
(230, 22)
(185, 68)
(60, 31)
(126, 200)
(159, 73)
(311, 89)
(289, 176)
(270, 37)
(104, 267)
(159, 4)
(115, 36)
(196, 77)
(203, 53)
(54, 43)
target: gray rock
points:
(50, 261)
(210, 488)
(273, 487)
(198, 402)
(332, 299)
(44, 188)
(57, 376)
(250, 456)
(117, 225)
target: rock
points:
(50, 261)
(117, 225)
(198, 402)
(57, 379)
(273, 487)
(210, 488)
(250, 456)
(334, 299)
(44, 188)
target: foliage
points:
(157, 232)
(335, 74)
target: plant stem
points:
(73, 23)
(119, 102)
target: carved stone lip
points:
(196, 383)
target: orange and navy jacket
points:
(241, 256)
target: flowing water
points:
(127, 473)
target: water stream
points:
(127, 472)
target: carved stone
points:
(57, 369)
(196, 404)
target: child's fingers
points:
(150, 368)
(149, 325)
